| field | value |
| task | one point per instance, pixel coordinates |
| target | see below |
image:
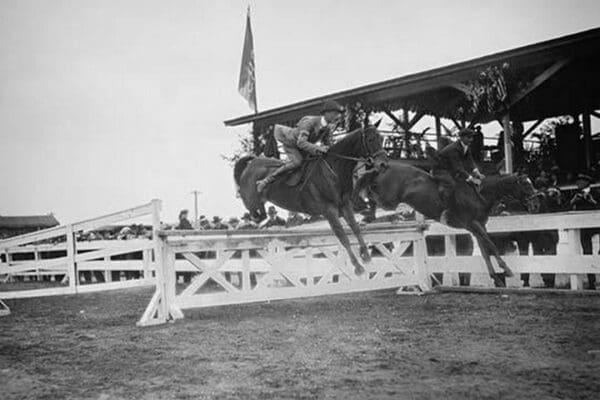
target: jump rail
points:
(252, 266)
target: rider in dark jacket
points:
(456, 164)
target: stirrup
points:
(444, 217)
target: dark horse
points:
(402, 183)
(325, 190)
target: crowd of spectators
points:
(245, 222)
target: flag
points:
(247, 84)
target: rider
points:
(299, 141)
(456, 164)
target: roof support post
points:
(508, 156)
(587, 137)
(438, 131)
(394, 118)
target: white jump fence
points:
(80, 257)
(251, 266)
(232, 267)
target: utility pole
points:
(196, 193)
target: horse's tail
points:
(240, 166)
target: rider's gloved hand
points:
(473, 180)
(478, 174)
(322, 149)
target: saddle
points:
(298, 175)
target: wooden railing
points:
(79, 256)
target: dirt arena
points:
(356, 346)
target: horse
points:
(326, 187)
(402, 183)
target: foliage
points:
(247, 145)
(542, 157)
(490, 93)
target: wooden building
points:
(18, 225)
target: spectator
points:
(218, 224)
(274, 219)
(184, 223)
(204, 223)
(233, 223)
(247, 222)
(542, 182)
(554, 201)
(125, 233)
(294, 219)
(553, 179)
(583, 199)
(477, 145)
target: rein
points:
(368, 159)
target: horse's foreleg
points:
(349, 217)
(333, 218)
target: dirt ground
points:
(357, 346)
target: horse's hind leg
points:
(349, 217)
(488, 262)
(333, 218)
(491, 247)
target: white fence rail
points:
(259, 266)
(246, 266)
(78, 257)
(566, 259)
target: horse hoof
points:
(359, 271)
(498, 281)
(366, 257)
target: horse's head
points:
(520, 188)
(372, 147)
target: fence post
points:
(71, 254)
(569, 242)
(420, 268)
(450, 278)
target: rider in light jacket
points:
(303, 139)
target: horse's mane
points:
(500, 182)
(347, 145)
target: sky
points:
(105, 105)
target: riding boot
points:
(260, 185)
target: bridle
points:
(523, 201)
(369, 159)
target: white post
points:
(71, 254)
(508, 156)
(420, 269)
(107, 271)
(569, 243)
(146, 264)
(450, 278)
(8, 259)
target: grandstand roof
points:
(563, 72)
